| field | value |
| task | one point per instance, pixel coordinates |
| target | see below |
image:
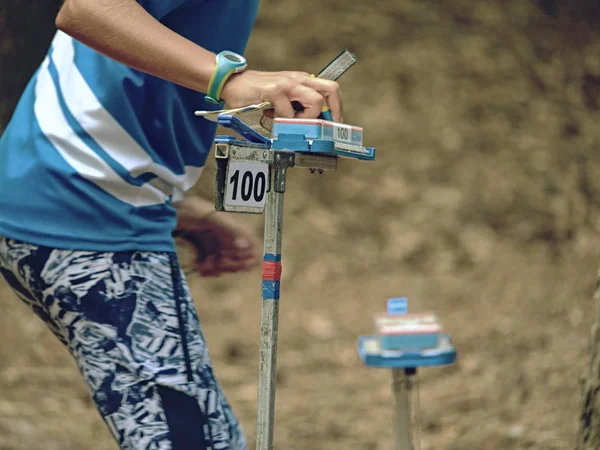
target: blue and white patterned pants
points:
(129, 321)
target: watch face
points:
(233, 57)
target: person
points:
(94, 166)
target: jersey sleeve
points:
(160, 8)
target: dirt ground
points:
(482, 206)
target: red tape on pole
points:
(271, 271)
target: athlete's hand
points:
(222, 243)
(281, 89)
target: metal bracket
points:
(316, 163)
(283, 160)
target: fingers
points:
(238, 255)
(282, 88)
(222, 243)
(283, 106)
(331, 91)
(208, 266)
(309, 91)
(310, 99)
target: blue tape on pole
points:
(270, 290)
(272, 258)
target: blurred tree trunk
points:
(26, 28)
(589, 425)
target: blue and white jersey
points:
(95, 150)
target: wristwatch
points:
(228, 63)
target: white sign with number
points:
(247, 184)
(342, 133)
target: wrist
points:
(227, 64)
(230, 85)
(204, 72)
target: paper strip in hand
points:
(212, 115)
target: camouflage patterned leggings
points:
(129, 321)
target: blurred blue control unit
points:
(403, 340)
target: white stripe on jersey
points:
(77, 154)
(102, 126)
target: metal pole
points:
(401, 388)
(270, 305)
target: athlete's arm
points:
(126, 32)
